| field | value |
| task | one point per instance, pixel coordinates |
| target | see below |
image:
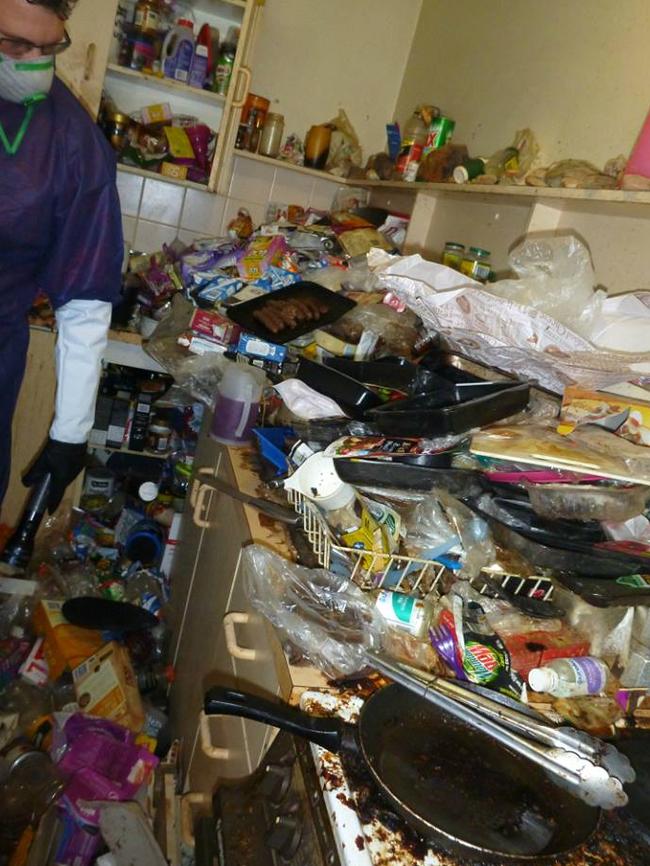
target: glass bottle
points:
(476, 264)
(272, 133)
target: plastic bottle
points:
(178, 51)
(405, 612)
(502, 162)
(203, 62)
(567, 678)
(638, 165)
(413, 139)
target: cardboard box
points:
(65, 645)
(213, 325)
(626, 416)
(106, 686)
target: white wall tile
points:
(150, 236)
(291, 187)
(323, 194)
(203, 212)
(128, 227)
(188, 237)
(251, 181)
(129, 187)
(256, 210)
(162, 202)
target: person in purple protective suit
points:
(60, 233)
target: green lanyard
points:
(12, 147)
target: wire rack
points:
(367, 569)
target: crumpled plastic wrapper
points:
(500, 332)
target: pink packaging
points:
(78, 846)
(639, 161)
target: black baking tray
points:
(451, 408)
(353, 397)
(406, 476)
(337, 305)
(398, 374)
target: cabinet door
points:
(235, 98)
(83, 65)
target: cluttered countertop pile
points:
(470, 465)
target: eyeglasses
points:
(12, 47)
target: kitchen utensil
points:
(573, 558)
(451, 409)
(571, 768)
(336, 305)
(398, 374)
(353, 397)
(535, 607)
(626, 591)
(388, 473)
(452, 783)
(107, 615)
(271, 509)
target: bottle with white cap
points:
(569, 678)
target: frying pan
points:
(453, 784)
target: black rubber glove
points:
(63, 461)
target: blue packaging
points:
(254, 347)
(199, 68)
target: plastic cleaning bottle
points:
(178, 51)
(203, 61)
(569, 678)
(413, 139)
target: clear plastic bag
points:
(556, 276)
(440, 524)
(326, 616)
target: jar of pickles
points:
(453, 255)
(476, 264)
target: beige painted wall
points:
(312, 57)
(576, 71)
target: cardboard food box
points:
(65, 645)
(106, 686)
(216, 327)
(626, 416)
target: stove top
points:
(306, 806)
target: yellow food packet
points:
(180, 146)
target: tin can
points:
(440, 132)
(223, 71)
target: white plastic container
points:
(178, 51)
(237, 405)
(569, 678)
(317, 480)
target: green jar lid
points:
(484, 254)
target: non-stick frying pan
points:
(452, 784)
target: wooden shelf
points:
(112, 450)
(125, 337)
(524, 192)
(141, 172)
(168, 84)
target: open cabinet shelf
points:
(141, 172)
(165, 84)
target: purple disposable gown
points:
(60, 229)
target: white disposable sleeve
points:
(83, 334)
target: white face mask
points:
(25, 81)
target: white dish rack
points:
(392, 571)
(367, 569)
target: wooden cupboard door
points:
(83, 66)
(224, 153)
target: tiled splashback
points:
(155, 212)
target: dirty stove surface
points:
(367, 831)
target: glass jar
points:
(147, 18)
(453, 255)
(476, 264)
(271, 139)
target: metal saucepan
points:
(453, 784)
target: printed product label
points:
(590, 674)
(636, 581)
(147, 19)
(401, 610)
